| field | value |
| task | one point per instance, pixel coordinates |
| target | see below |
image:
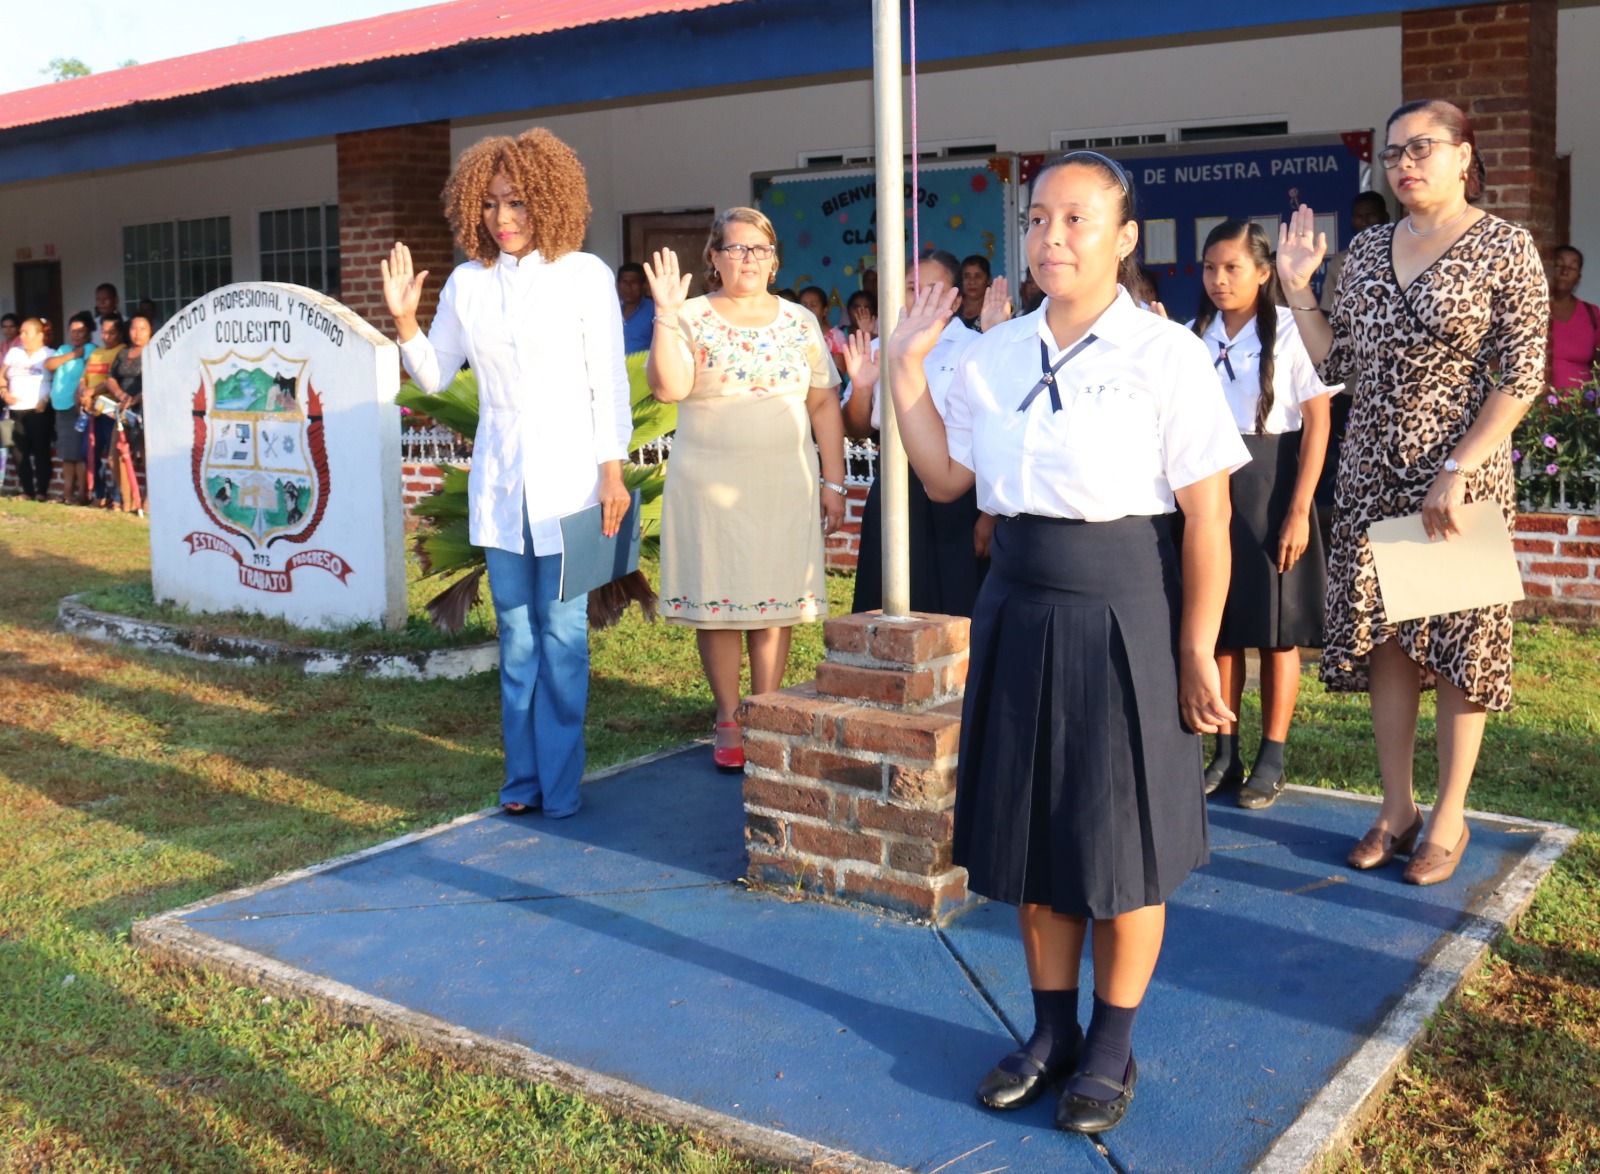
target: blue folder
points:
(588, 558)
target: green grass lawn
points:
(131, 783)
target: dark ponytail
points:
(1267, 295)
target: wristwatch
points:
(839, 489)
(1451, 465)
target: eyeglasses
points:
(737, 252)
(1419, 148)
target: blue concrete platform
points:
(619, 943)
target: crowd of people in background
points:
(77, 402)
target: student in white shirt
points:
(1280, 575)
(540, 325)
(1079, 796)
(949, 539)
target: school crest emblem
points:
(260, 465)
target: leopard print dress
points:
(1421, 373)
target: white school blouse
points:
(1294, 376)
(1140, 416)
(938, 366)
(545, 340)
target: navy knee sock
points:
(1107, 1048)
(1269, 763)
(1056, 1035)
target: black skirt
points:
(945, 573)
(1266, 609)
(1078, 785)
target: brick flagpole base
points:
(850, 780)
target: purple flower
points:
(1588, 396)
(1552, 469)
(1516, 454)
(1549, 441)
(1551, 400)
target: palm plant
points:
(444, 545)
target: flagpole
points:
(889, 142)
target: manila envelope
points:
(1418, 578)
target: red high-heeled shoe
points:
(728, 759)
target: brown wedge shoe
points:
(1378, 847)
(1433, 863)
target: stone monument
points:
(272, 447)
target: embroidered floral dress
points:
(741, 520)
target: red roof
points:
(399, 34)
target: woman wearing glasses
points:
(747, 503)
(1441, 321)
(1079, 796)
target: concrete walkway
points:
(616, 954)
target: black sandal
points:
(1254, 796)
(1220, 774)
(1004, 1089)
(1077, 1113)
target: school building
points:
(302, 157)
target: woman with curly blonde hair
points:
(539, 324)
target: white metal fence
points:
(431, 446)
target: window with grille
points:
(301, 245)
(172, 262)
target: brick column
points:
(1498, 63)
(850, 781)
(389, 185)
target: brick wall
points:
(849, 783)
(1498, 63)
(389, 185)
(1560, 559)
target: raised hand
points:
(669, 288)
(402, 289)
(924, 320)
(996, 305)
(860, 363)
(1301, 249)
(864, 319)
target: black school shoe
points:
(1254, 796)
(1003, 1089)
(1218, 776)
(1077, 1113)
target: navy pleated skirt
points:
(945, 573)
(1266, 609)
(1078, 785)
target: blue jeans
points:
(544, 678)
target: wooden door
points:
(682, 232)
(37, 285)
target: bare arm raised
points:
(670, 368)
(921, 427)
(1300, 251)
(861, 367)
(402, 290)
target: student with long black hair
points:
(1079, 795)
(1279, 579)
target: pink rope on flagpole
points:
(916, 155)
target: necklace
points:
(1437, 228)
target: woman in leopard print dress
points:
(1440, 320)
